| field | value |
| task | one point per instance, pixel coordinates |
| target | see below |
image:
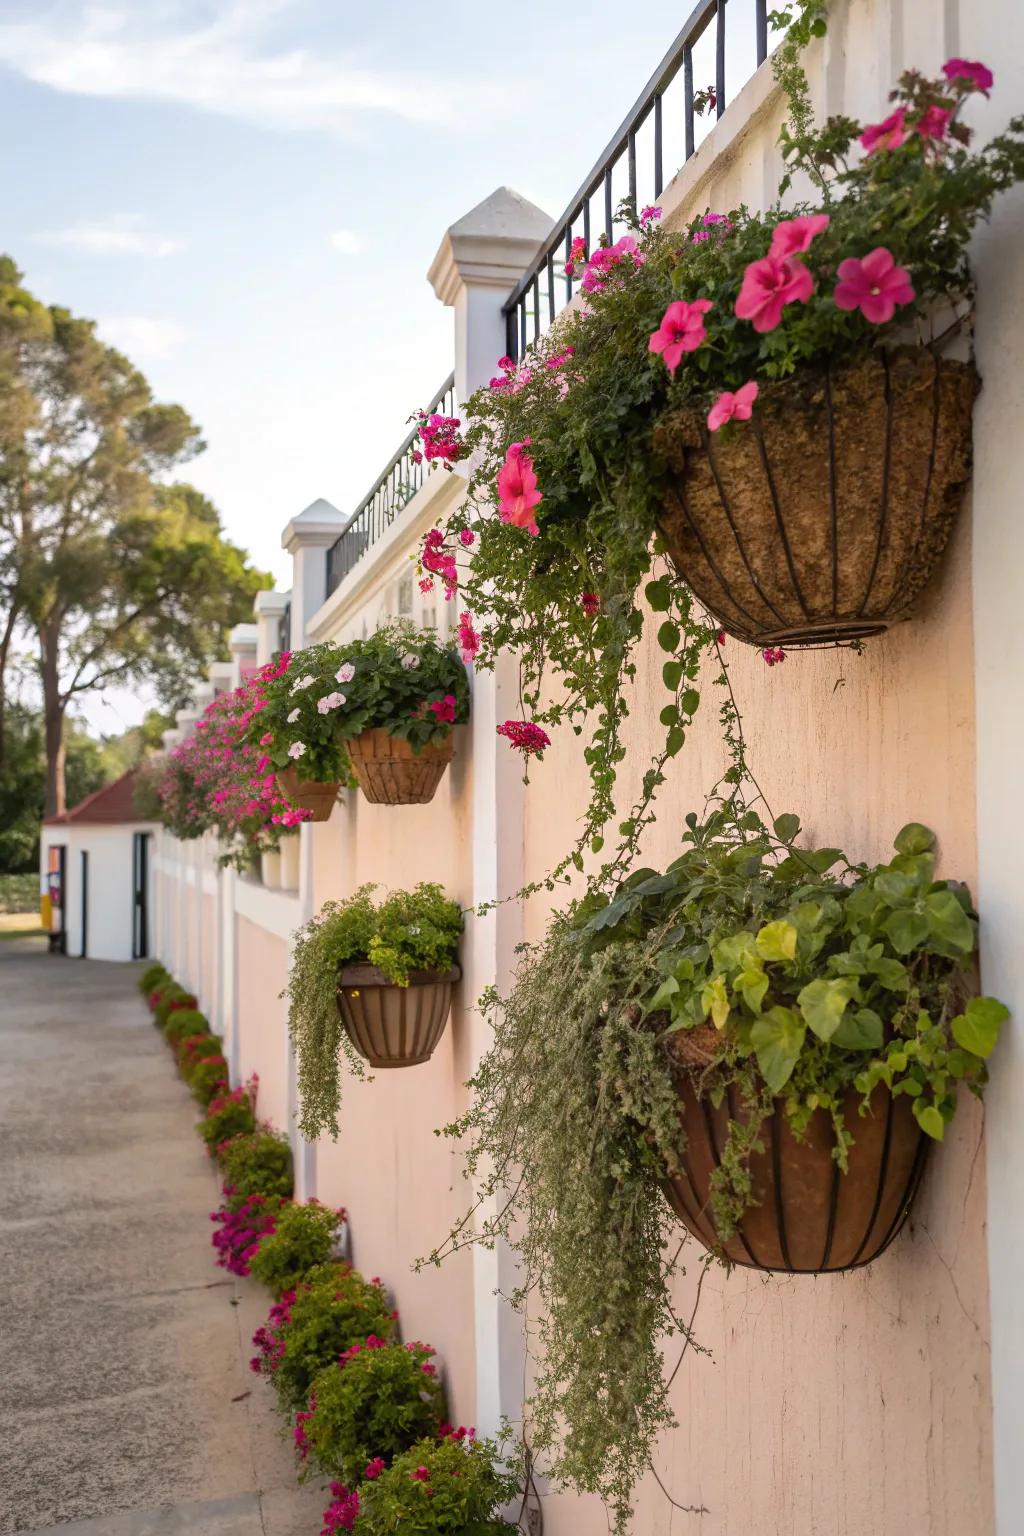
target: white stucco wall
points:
(110, 887)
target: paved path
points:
(126, 1404)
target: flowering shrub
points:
(193, 1050)
(570, 444)
(239, 1232)
(229, 1115)
(454, 1484)
(303, 1236)
(257, 1164)
(377, 1401)
(153, 976)
(804, 978)
(311, 1326)
(183, 1023)
(169, 999)
(398, 680)
(207, 1078)
(408, 930)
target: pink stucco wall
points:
(262, 1017)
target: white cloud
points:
(121, 234)
(347, 242)
(140, 337)
(213, 55)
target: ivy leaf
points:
(690, 701)
(787, 827)
(752, 986)
(664, 995)
(668, 636)
(906, 930)
(859, 1031)
(672, 675)
(777, 941)
(914, 839)
(777, 1037)
(930, 1120)
(669, 715)
(674, 740)
(715, 1001)
(658, 595)
(948, 922)
(977, 1028)
(823, 1003)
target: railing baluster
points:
(720, 58)
(586, 224)
(568, 250)
(761, 26)
(657, 147)
(631, 162)
(688, 99)
(551, 288)
(536, 306)
(608, 203)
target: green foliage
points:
(184, 1022)
(153, 976)
(397, 673)
(207, 1077)
(799, 976)
(227, 1116)
(378, 1400)
(466, 1484)
(333, 1308)
(406, 931)
(303, 1236)
(23, 781)
(257, 1164)
(19, 893)
(172, 997)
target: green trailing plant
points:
(304, 1236)
(259, 1163)
(402, 932)
(802, 977)
(184, 1023)
(376, 1401)
(399, 680)
(307, 1331)
(457, 1485)
(572, 445)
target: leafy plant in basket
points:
(774, 994)
(307, 1330)
(389, 699)
(754, 415)
(303, 1236)
(359, 967)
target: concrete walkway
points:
(126, 1404)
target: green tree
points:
(117, 575)
(23, 782)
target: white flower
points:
(297, 749)
(345, 673)
(410, 661)
(330, 701)
(294, 715)
(303, 682)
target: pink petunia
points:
(793, 236)
(681, 330)
(979, 76)
(443, 710)
(517, 490)
(890, 133)
(933, 123)
(768, 285)
(875, 285)
(733, 407)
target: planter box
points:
(395, 1026)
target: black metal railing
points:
(390, 495)
(284, 628)
(657, 122)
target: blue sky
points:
(246, 194)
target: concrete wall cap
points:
(490, 246)
(316, 527)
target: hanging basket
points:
(308, 794)
(821, 519)
(394, 1026)
(391, 773)
(806, 1216)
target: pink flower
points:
(577, 252)
(469, 640)
(933, 123)
(421, 1475)
(978, 76)
(266, 739)
(874, 285)
(681, 330)
(517, 490)
(426, 585)
(374, 1468)
(795, 235)
(733, 407)
(444, 709)
(768, 285)
(591, 604)
(888, 134)
(524, 736)
(606, 261)
(649, 214)
(721, 637)
(772, 657)
(467, 537)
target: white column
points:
(307, 538)
(269, 608)
(480, 260)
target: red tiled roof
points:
(111, 804)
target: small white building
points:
(96, 876)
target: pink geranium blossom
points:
(469, 640)
(517, 490)
(733, 407)
(524, 736)
(681, 330)
(591, 604)
(890, 133)
(772, 657)
(443, 710)
(933, 123)
(793, 236)
(768, 286)
(875, 285)
(979, 76)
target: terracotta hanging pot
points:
(806, 1216)
(308, 794)
(395, 1026)
(822, 518)
(391, 773)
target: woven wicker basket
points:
(308, 794)
(806, 1216)
(395, 1026)
(391, 773)
(822, 518)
